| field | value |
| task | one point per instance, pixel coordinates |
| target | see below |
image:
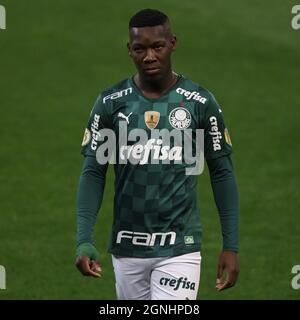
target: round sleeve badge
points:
(227, 137)
(86, 137)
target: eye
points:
(138, 50)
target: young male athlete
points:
(156, 233)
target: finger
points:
(91, 268)
(95, 267)
(227, 284)
(218, 282)
(83, 264)
(219, 275)
(94, 274)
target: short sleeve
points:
(99, 119)
(217, 142)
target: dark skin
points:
(87, 267)
(227, 270)
(151, 49)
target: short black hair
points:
(148, 18)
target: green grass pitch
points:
(56, 56)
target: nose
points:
(150, 56)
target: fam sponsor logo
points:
(215, 133)
(147, 239)
(117, 94)
(2, 18)
(183, 283)
(191, 95)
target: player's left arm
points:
(218, 151)
(225, 192)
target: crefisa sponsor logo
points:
(142, 152)
(215, 133)
(181, 282)
(95, 131)
(191, 95)
(159, 146)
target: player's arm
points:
(89, 199)
(225, 192)
(90, 193)
(217, 152)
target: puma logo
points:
(122, 115)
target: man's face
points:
(151, 49)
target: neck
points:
(156, 87)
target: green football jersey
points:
(155, 203)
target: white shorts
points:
(162, 278)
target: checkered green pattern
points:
(156, 198)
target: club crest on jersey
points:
(86, 137)
(180, 118)
(151, 119)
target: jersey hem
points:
(185, 250)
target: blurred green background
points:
(55, 58)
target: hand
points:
(229, 262)
(87, 260)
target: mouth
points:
(151, 70)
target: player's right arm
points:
(218, 150)
(90, 192)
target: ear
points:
(173, 43)
(129, 48)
